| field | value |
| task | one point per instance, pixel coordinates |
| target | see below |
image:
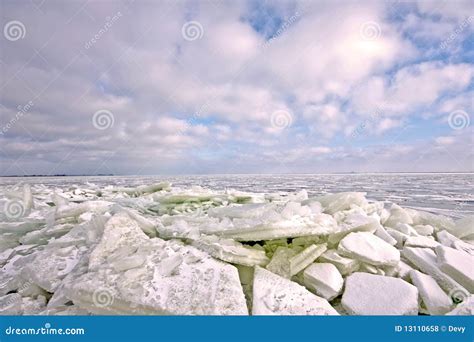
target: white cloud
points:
(172, 97)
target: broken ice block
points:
(421, 241)
(324, 279)
(405, 228)
(369, 248)
(369, 294)
(251, 210)
(173, 278)
(231, 251)
(397, 215)
(51, 265)
(425, 260)
(144, 189)
(321, 224)
(333, 203)
(74, 210)
(424, 229)
(439, 222)
(450, 240)
(398, 236)
(382, 233)
(458, 265)
(274, 295)
(354, 223)
(463, 227)
(11, 304)
(305, 258)
(343, 264)
(436, 301)
(280, 262)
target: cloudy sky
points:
(187, 87)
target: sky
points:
(212, 87)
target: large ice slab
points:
(344, 265)
(274, 295)
(51, 265)
(355, 223)
(144, 189)
(458, 265)
(324, 279)
(436, 301)
(424, 259)
(129, 273)
(398, 215)
(297, 226)
(333, 203)
(369, 294)
(369, 248)
(463, 227)
(439, 222)
(450, 240)
(231, 251)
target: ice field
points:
(371, 244)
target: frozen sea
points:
(450, 194)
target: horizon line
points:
(236, 174)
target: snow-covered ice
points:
(370, 294)
(436, 301)
(324, 279)
(148, 248)
(274, 295)
(369, 248)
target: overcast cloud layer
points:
(150, 87)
